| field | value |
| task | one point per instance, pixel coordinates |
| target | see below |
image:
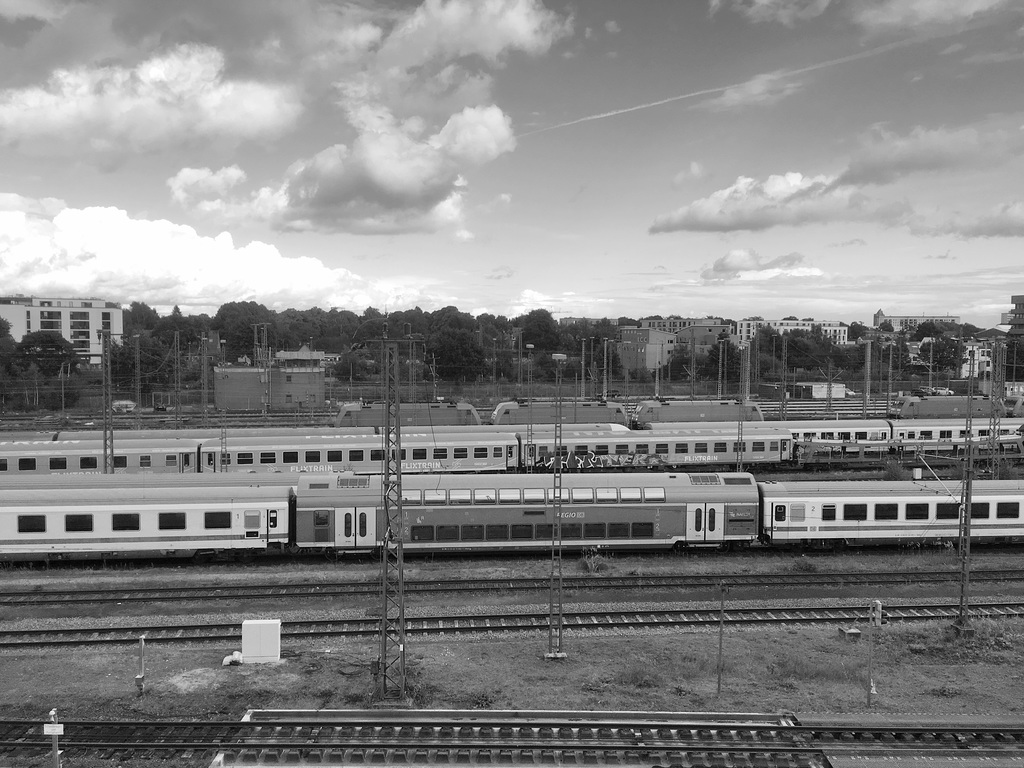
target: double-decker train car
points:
(859, 513)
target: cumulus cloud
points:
(393, 178)
(693, 171)
(760, 90)
(501, 272)
(745, 264)
(789, 199)
(204, 188)
(786, 12)
(95, 252)
(179, 97)
(42, 10)
(612, 27)
(1006, 220)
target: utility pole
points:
(389, 671)
(138, 382)
(555, 585)
(785, 375)
(604, 386)
(997, 401)
(177, 379)
(867, 378)
(205, 373)
(721, 367)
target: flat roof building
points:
(77, 320)
(746, 329)
(910, 322)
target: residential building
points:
(745, 330)
(645, 348)
(80, 321)
(675, 324)
(1016, 317)
(910, 322)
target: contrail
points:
(721, 89)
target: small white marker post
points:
(140, 679)
(54, 730)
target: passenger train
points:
(109, 516)
(519, 448)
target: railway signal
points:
(877, 614)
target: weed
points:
(592, 560)
(893, 470)
(638, 674)
(804, 565)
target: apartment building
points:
(80, 321)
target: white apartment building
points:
(77, 320)
(745, 330)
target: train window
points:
(720, 447)
(411, 498)
(321, 518)
(485, 496)
(582, 495)
(593, 531)
(545, 531)
(447, 533)
(356, 455)
(946, 510)
(421, 532)
(758, 445)
(225, 459)
(434, 497)
(860, 435)
(618, 530)
(498, 453)
(979, 510)
(641, 448)
(78, 523)
(855, 511)
(497, 532)
(828, 511)
(419, 454)
(661, 448)
(460, 496)
(3, 465)
(945, 434)
(580, 450)
(58, 462)
(31, 524)
(481, 453)
(124, 521)
(630, 494)
(472, 533)
(621, 449)
(362, 525)
(216, 520)
(564, 494)
(655, 495)
(926, 434)
(521, 531)
(508, 496)
(460, 453)
(348, 525)
(700, 448)
(120, 462)
(844, 436)
(170, 460)
(712, 515)
(335, 455)
(1007, 509)
(289, 457)
(601, 450)
(377, 454)
(572, 531)
(643, 530)
(313, 456)
(682, 448)
(146, 461)
(780, 513)
(251, 519)
(440, 453)
(607, 496)
(533, 495)
(886, 511)
(268, 457)
(916, 512)
(171, 521)
(244, 457)
(26, 465)
(739, 447)
(773, 446)
(797, 512)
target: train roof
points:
(847, 489)
(144, 480)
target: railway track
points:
(489, 623)
(507, 738)
(271, 591)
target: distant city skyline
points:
(712, 157)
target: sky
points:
(596, 158)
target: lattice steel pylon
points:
(389, 675)
(964, 611)
(555, 615)
(997, 399)
(108, 405)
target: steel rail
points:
(679, 618)
(269, 591)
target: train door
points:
(355, 528)
(186, 462)
(259, 524)
(705, 523)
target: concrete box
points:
(261, 641)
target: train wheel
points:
(331, 554)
